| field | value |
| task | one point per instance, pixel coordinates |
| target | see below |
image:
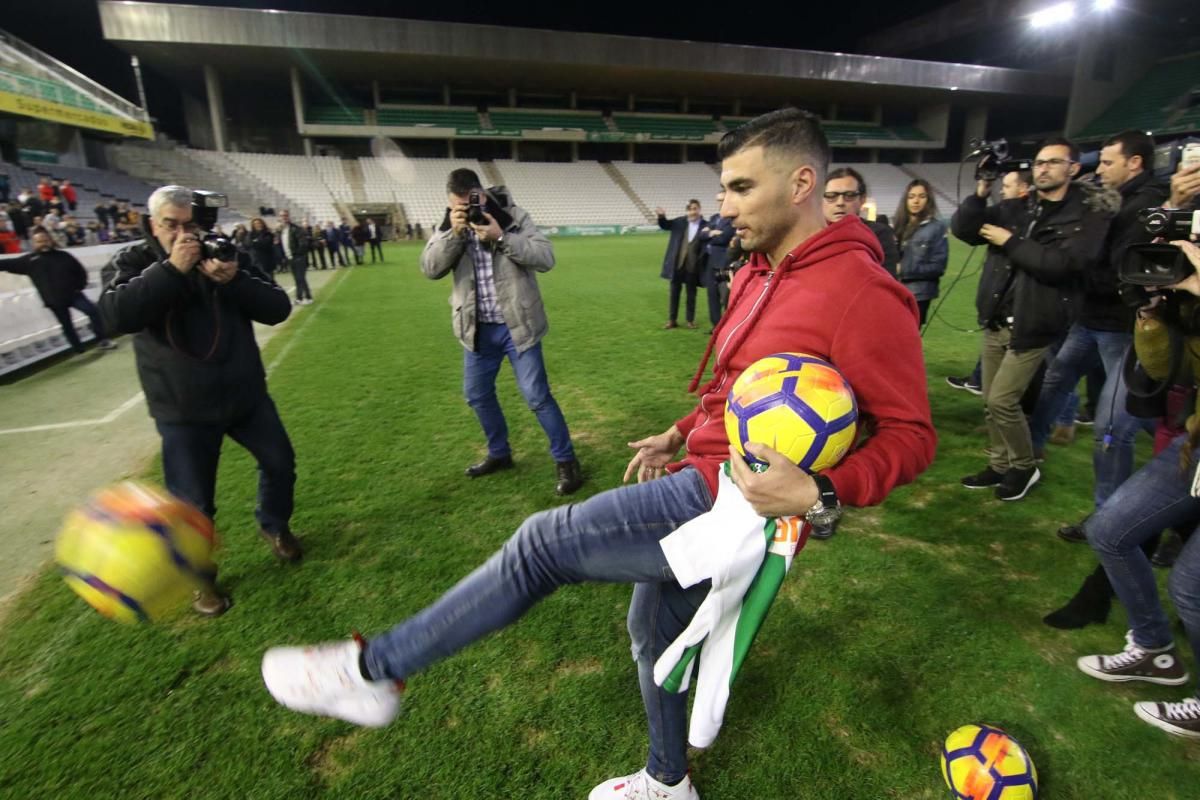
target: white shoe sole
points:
(1033, 479)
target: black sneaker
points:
(1168, 550)
(1083, 417)
(965, 384)
(1134, 663)
(987, 479)
(1072, 533)
(1181, 719)
(1017, 483)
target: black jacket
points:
(57, 275)
(1103, 308)
(196, 354)
(297, 239)
(694, 260)
(1037, 277)
(887, 240)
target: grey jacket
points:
(523, 252)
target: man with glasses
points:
(1103, 329)
(200, 367)
(845, 193)
(1039, 253)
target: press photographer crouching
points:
(190, 298)
(1164, 493)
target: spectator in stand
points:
(73, 234)
(295, 253)
(845, 193)
(33, 207)
(921, 236)
(101, 212)
(260, 244)
(69, 195)
(375, 238)
(5, 187)
(60, 280)
(45, 191)
(114, 212)
(683, 260)
(333, 239)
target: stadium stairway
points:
(619, 180)
(492, 176)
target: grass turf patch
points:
(919, 616)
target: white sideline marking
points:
(137, 398)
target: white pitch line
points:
(131, 402)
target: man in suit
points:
(374, 238)
(294, 244)
(683, 260)
(717, 236)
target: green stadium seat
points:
(1149, 103)
(428, 117)
(665, 127)
(333, 115)
(519, 119)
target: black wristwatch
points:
(827, 510)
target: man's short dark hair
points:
(1025, 176)
(693, 202)
(1134, 143)
(848, 172)
(1062, 141)
(789, 130)
(39, 229)
(462, 181)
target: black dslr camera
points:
(994, 161)
(1159, 264)
(204, 214)
(476, 203)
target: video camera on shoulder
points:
(994, 161)
(204, 213)
(1159, 264)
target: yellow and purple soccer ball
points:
(982, 762)
(134, 552)
(797, 404)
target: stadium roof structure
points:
(264, 43)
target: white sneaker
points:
(640, 786)
(325, 680)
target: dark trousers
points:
(81, 303)
(376, 247)
(299, 268)
(679, 280)
(190, 453)
(335, 254)
(714, 297)
(923, 307)
(313, 256)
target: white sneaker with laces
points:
(1180, 719)
(640, 786)
(325, 680)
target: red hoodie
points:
(829, 299)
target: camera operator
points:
(1103, 329)
(1038, 252)
(845, 193)
(191, 300)
(1163, 493)
(494, 251)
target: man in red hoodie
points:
(808, 288)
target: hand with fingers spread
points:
(783, 490)
(653, 455)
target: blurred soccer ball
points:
(134, 552)
(980, 762)
(797, 404)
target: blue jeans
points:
(1155, 498)
(612, 537)
(1115, 428)
(190, 453)
(480, 368)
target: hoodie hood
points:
(847, 235)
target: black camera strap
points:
(1135, 377)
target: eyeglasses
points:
(832, 197)
(1052, 162)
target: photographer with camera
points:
(190, 299)
(1038, 252)
(494, 251)
(1163, 493)
(1103, 328)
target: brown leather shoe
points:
(691, 325)
(489, 465)
(210, 602)
(284, 545)
(670, 324)
(570, 477)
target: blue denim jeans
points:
(190, 453)
(1155, 498)
(612, 537)
(479, 385)
(1115, 428)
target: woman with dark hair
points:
(923, 246)
(260, 243)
